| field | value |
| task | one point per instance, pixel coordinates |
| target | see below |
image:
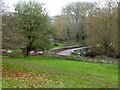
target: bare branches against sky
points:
(53, 6)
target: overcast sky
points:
(53, 6)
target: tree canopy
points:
(32, 27)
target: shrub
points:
(16, 53)
(56, 44)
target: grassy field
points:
(45, 72)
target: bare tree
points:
(103, 28)
(76, 14)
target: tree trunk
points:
(28, 49)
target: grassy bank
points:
(54, 73)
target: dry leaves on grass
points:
(30, 86)
(28, 77)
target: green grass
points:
(58, 73)
(60, 45)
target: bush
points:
(56, 44)
(16, 53)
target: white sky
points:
(53, 6)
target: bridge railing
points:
(64, 48)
